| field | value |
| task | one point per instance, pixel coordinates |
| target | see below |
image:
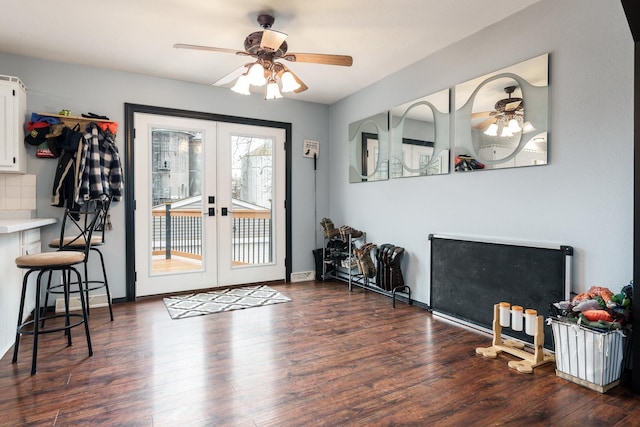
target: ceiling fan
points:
(268, 47)
(508, 114)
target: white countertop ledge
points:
(20, 224)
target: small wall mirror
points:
(420, 136)
(502, 118)
(369, 149)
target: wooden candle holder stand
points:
(516, 348)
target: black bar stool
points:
(77, 226)
(96, 241)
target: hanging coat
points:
(101, 169)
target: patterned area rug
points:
(200, 304)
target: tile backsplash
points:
(17, 192)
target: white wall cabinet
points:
(13, 109)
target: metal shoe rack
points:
(333, 268)
(332, 259)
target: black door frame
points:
(632, 11)
(129, 197)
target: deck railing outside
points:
(179, 232)
(251, 241)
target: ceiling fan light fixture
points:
(506, 132)
(272, 90)
(256, 75)
(289, 83)
(242, 85)
(492, 130)
(527, 127)
(267, 47)
(514, 126)
(272, 40)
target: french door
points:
(209, 204)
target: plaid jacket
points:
(100, 165)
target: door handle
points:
(212, 211)
(225, 212)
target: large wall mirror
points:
(502, 118)
(420, 136)
(369, 149)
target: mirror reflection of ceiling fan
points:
(268, 47)
(507, 119)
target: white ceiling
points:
(138, 35)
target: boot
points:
(395, 271)
(372, 268)
(368, 269)
(358, 254)
(330, 230)
(346, 231)
(386, 259)
(380, 267)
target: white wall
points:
(53, 86)
(582, 198)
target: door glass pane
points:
(176, 214)
(251, 198)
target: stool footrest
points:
(58, 289)
(42, 330)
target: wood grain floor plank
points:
(329, 357)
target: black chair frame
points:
(75, 221)
(81, 223)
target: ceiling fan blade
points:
(272, 39)
(485, 123)
(320, 58)
(208, 48)
(512, 105)
(482, 114)
(228, 78)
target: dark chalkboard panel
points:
(469, 277)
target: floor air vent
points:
(302, 276)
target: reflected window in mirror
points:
(415, 160)
(502, 118)
(371, 158)
(369, 149)
(420, 136)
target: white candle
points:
(505, 314)
(530, 317)
(516, 318)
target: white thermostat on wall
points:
(310, 148)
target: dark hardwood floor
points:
(327, 358)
